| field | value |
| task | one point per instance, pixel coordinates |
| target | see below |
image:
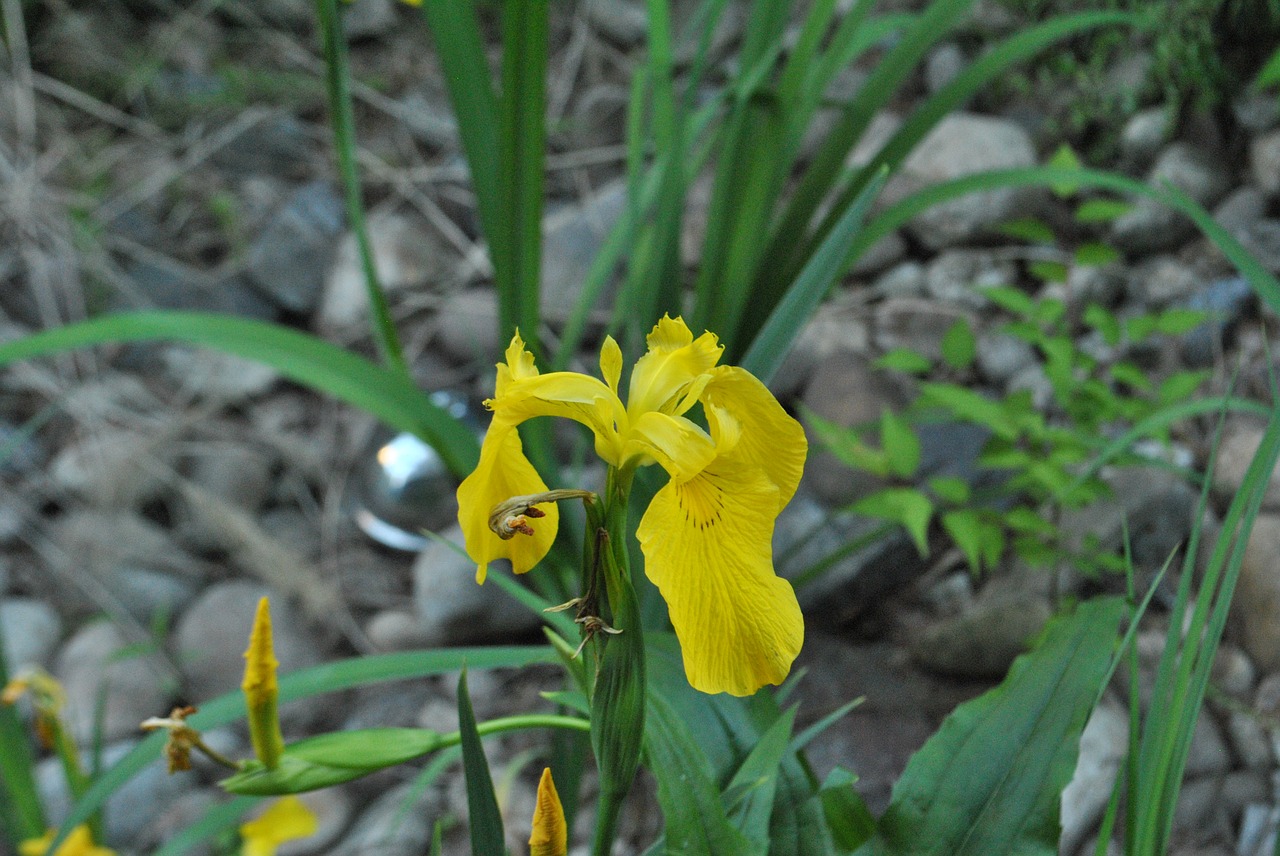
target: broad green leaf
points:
(1065, 158)
(1023, 519)
(847, 815)
(331, 759)
(1095, 254)
(977, 536)
(906, 506)
(1048, 271)
(1101, 210)
(959, 345)
(695, 820)
(845, 445)
(1011, 299)
(950, 489)
(989, 782)
(900, 444)
(1104, 322)
(1127, 373)
(1180, 386)
(906, 361)
(1270, 73)
(1029, 229)
(968, 405)
(751, 791)
(387, 394)
(483, 817)
(1175, 322)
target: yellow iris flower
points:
(78, 843)
(707, 535)
(287, 819)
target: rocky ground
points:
(167, 157)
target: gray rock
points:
(847, 390)
(1100, 284)
(276, 145)
(468, 328)
(621, 21)
(1243, 207)
(1197, 802)
(368, 20)
(903, 280)
(31, 630)
(572, 237)
(808, 536)
(289, 259)
(113, 468)
(942, 65)
(1256, 605)
(175, 817)
(99, 663)
(131, 809)
(172, 286)
(983, 641)
(396, 630)
(1032, 378)
(452, 609)
(1143, 134)
(147, 593)
(1264, 162)
(1227, 301)
(887, 251)
(1262, 240)
(961, 144)
(1241, 789)
(1163, 280)
(917, 325)
(1000, 356)
(236, 472)
(1149, 226)
(1240, 441)
(215, 376)
(396, 824)
(1249, 741)
(1103, 745)
(1256, 111)
(211, 637)
(960, 276)
(839, 327)
(1258, 830)
(1233, 672)
(1209, 755)
(406, 254)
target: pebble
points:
(1103, 745)
(276, 145)
(942, 65)
(621, 21)
(1256, 605)
(1240, 441)
(1249, 741)
(1150, 226)
(210, 638)
(1000, 356)
(572, 238)
(398, 823)
(906, 279)
(917, 325)
(289, 259)
(1264, 162)
(469, 330)
(452, 609)
(113, 468)
(1163, 280)
(1226, 300)
(961, 144)
(30, 630)
(983, 641)
(208, 375)
(959, 277)
(1143, 134)
(99, 663)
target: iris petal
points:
(679, 446)
(673, 361)
(743, 414)
(706, 543)
(503, 472)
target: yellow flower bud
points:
(261, 690)
(550, 836)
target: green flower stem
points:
(617, 702)
(264, 731)
(69, 757)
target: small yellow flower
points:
(550, 836)
(707, 534)
(78, 843)
(287, 819)
(261, 690)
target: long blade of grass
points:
(385, 393)
(465, 64)
(483, 816)
(774, 339)
(305, 683)
(521, 166)
(338, 82)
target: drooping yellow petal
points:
(679, 446)
(745, 417)
(503, 472)
(706, 543)
(673, 361)
(78, 843)
(287, 819)
(570, 395)
(550, 836)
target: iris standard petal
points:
(679, 446)
(503, 472)
(743, 414)
(707, 546)
(673, 361)
(611, 363)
